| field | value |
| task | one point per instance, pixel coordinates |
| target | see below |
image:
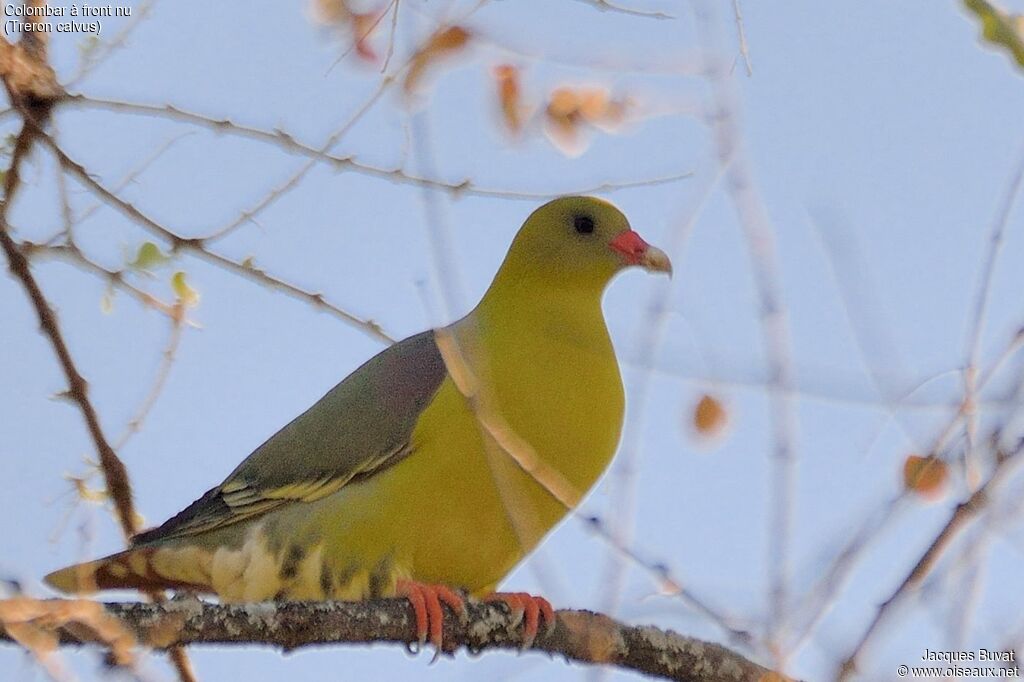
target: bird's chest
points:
(469, 506)
(561, 393)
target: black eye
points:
(583, 224)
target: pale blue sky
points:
(888, 123)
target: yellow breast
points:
(460, 510)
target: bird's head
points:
(580, 241)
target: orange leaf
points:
(363, 26)
(709, 417)
(564, 103)
(563, 121)
(442, 44)
(571, 112)
(925, 476)
(327, 12)
(449, 40)
(509, 96)
(593, 103)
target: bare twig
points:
(298, 175)
(356, 39)
(823, 390)
(392, 37)
(606, 6)
(35, 624)
(958, 520)
(287, 142)
(628, 462)
(742, 35)
(31, 85)
(131, 176)
(759, 233)
(164, 371)
(197, 247)
(670, 584)
(99, 54)
(820, 596)
(980, 309)
(78, 390)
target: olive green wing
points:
(361, 426)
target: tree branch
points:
(78, 390)
(580, 636)
(197, 246)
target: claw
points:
(529, 610)
(426, 607)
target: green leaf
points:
(149, 257)
(186, 294)
(1000, 28)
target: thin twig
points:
(287, 142)
(816, 392)
(980, 308)
(31, 85)
(871, 340)
(298, 175)
(742, 35)
(114, 278)
(958, 520)
(759, 234)
(820, 596)
(159, 381)
(669, 583)
(606, 6)
(78, 390)
(132, 175)
(624, 480)
(392, 37)
(196, 247)
(103, 50)
(365, 34)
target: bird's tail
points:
(130, 569)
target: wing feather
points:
(360, 427)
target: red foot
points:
(426, 605)
(527, 609)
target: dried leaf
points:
(86, 493)
(925, 476)
(562, 118)
(709, 417)
(444, 43)
(510, 97)
(570, 112)
(363, 26)
(330, 12)
(593, 103)
(34, 624)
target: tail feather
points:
(130, 569)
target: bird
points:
(435, 467)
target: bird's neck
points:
(525, 309)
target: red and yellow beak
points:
(635, 251)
